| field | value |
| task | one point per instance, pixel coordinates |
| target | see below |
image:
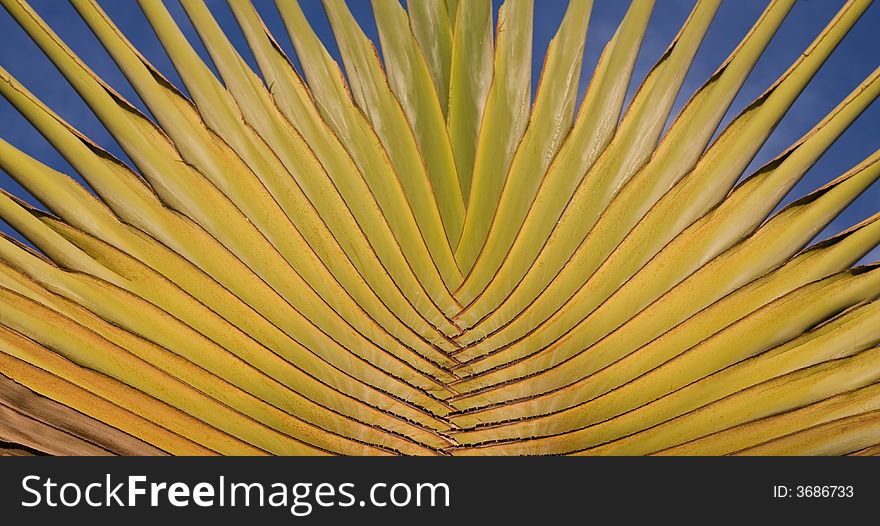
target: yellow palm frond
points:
(417, 253)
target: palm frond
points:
(415, 254)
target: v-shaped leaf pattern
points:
(417, 253)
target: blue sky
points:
(853, 61)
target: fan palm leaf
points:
(416, 253)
